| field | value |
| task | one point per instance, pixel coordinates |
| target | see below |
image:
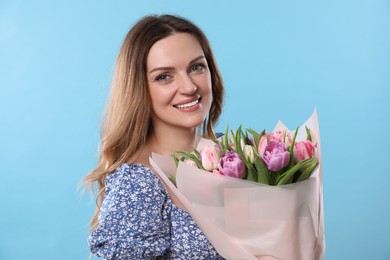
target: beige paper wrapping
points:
(247, 220)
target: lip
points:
(191, 108)
(186, 101)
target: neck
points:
(167, 142)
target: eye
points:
(198, 67)
(162, 77)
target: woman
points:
(166, 91)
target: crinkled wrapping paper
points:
(248, 220)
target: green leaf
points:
(237, 142)
(287, 176)
(192, 157)
(175, 159)
(172, 179)
(246, 138)
(308, 134)
(256, 136)
(263, 175)
(307, 171)
(291, 150)
(197, 154)
(251, 174)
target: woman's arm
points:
(132, 223)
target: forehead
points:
(174, 50)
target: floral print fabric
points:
(139, 221)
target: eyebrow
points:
(171, 68)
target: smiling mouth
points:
(187, 105)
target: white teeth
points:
(193, 103)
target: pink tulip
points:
(209, 158)
(304, 150)
(190, 162)
(262, 144)
(232, 165)
(278, 136)
(217, 172)
(248, 153)
(276, 156)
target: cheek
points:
(205, 87)
(160, 95)
(204, 83)
(209, 88)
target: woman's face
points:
(179, 82)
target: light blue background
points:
(279, 59)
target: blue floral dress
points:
(139, 221)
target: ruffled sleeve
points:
(134, 220)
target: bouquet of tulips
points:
(254, 195)
(269, 158)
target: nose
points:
(186, 85)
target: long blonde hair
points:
(127, 120)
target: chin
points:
(194, 123)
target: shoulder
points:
(132, 176)
(131, 186)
